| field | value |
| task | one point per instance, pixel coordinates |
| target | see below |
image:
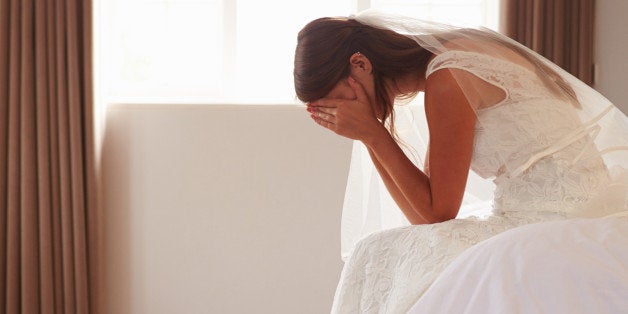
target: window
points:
(226, 51)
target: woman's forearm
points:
(407, 184)
(396, 193)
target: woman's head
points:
(327, 48)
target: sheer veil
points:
(368, 207)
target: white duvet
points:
(570, 266)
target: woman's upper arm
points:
(451, 123)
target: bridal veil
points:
(368, 207)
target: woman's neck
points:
(406, 86)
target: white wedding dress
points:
(556, 178)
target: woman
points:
(491, 106)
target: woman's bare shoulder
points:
(477, 92)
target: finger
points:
(325, 116)
(331, 111)
(322, 122)
(359, 90)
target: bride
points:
(554, 148)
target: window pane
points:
(226, 51)
(457, 12)
(162, 51)
(267, 34)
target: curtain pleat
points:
(4, 128)
(48, 196)
(43, 166)
(13, 187)
(29, 244)
(560, 30)
(51, 61)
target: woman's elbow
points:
(433, 216)
(443, 214)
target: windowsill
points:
(182, 106)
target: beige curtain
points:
(560, 30)
(47, 165)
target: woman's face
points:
(360, 69)
(342, 90)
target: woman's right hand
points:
(351, 118)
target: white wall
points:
(611, 51)
(221, 209)
(236, 209)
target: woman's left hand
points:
(354, 119)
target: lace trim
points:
(515, 79)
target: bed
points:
(570, 266)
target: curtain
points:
(48, 199)
(560, 30)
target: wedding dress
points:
(555, 171)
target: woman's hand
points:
(354, 119)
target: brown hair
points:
(325, 45)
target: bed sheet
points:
(570, 266)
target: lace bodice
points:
(532, 142)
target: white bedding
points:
(389, 271)
(570, 266)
